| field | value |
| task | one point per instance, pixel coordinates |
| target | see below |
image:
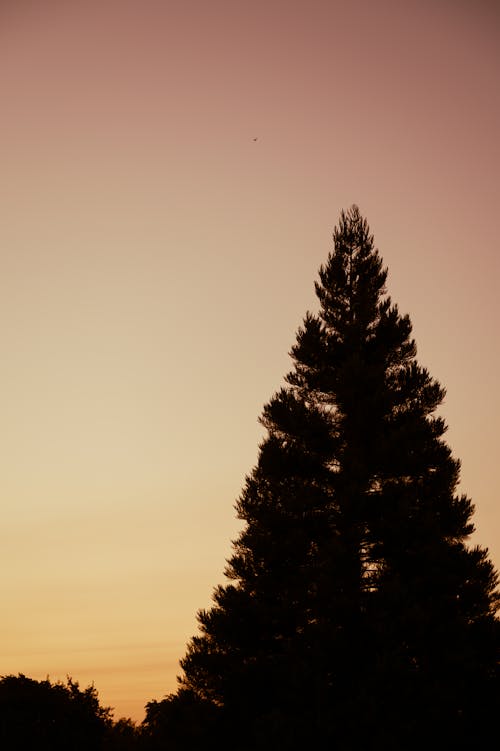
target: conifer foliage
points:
(356, 613)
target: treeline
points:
(356, 613)
(57, 716)
(45, 715)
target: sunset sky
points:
(157, 260)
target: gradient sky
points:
(156, 262)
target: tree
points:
(356, 613)
(123, 735)
(181, 721)
(41, 715)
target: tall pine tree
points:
(356, 614)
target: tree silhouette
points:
(50, 716)
(123, 735)
(356, 614)
(182, 721)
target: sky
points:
(157, 260)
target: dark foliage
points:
(356, 614)
(181, 722)
(45, 716)
(123, 735)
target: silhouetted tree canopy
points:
(123, 735)
(45, 716)
(356, 614)
(180, 722)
